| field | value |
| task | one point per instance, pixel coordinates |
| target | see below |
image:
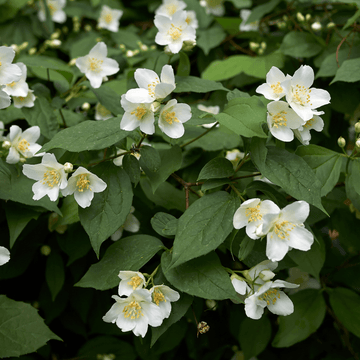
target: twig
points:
(200, 136)
(63, 119)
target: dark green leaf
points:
(164, 224)
(184, 65)
(55, 273)
(210, 38)
(150, 158)
(300, 44)
(213, 183)
(246, 247)
(132, 167)
(195, 84)
(217, 168)
(108, 98)
(259, 11)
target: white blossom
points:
(4, 255)
(253, 26)
(240, 285)
(20, 87)
(56, 11)
(163, 296)
(303, 133)
(131, 224)
(109, 18)
(191, 19)
(272, 89)
(27, 101)
(102, 113)
(170, 7)
(214, 7)
(96, 65)
(83, 184)
(5, 100)
(130, 281)
(8, 72)
(211, 110)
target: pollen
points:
(133, 310)
(158, 297)
(171, 9)
(140, 112)
(188, 20)
(108, 18)
(102, 110)
(23, 145)
(83, 183)
(95, 64)
(282, 230)
(279, 119)
(175, 32)
(11, 84)
(152, 85)
(253, 213)
(52, 9)
(0, 63)
(21, 98)
(170, 117)
(51, 178)
(301, 95)
(135, 282)
(270, 296)
(309, 123)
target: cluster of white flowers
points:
(136, 307)
(51, 177)
(109, 18)
(283, 228)
(176, 26)
(298, 115)
(55, 9)
(140, 104)
(259, 291)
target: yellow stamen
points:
(253, 213)
(283, 229)
(270, 296)
(133, 310)
(95, 64)
(309, 123)
(170, 117)
(23, 145)
(140, 112)
(171, 9)
(175, 32)
(108, 18)
(158, 297)
(279, 119)
(51, 178)
(277, 89)
(83, 182)
(135, 282)
(301, 95)
(11, 84)
(151, 87)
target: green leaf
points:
(259, 11)
(213, 183)
(88, 135)
(203, 277)
(130, 253)
(345, 304)
(349, 71)
(300, 44)
(150, 158)
(55, 273)
(178, 310)
(351, 20)
(22, 330)
(244, 116)
(246, 247)
(132, 167)
(287, 170)
(257, 67)
(204, 226)
(108, 98)
(184, 65)
(197, 85)
(217, 168)
(69, 210)
(126, 37)
(42, 115)
(309, 313)
(109, 208)
(254, 336)
(210, 38)
(230, 24)
(164, 224)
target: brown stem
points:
(63, 119)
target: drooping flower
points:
(56, 11)
(131, 224)
(8, 72)
(282, 120)
(303, 133)
(152, 88)
(240, 285)
(286, 230)
(251, 214)
(253, 26)
(130, 281)
(137, 115)
(172, 117)
(272, 89)
(23, 143)
(102, 113)
(135, 313)
(173, 32)
(109, 18)
(163, 296)
(96, 65)
(4, 255)
(301, 97)
(50, 176)
(83, 184)
(27, 101)
(170, 7)
(214, 7)
(20, 87)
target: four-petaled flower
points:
(109, 18)
(55, 9)
(162, 296)
(272, 89)
(130, 281)
(170, 7)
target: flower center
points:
(140, 112)
(152, 85)
(253, 213)
(82, 182)
(21, 98)
(301, 95)
(188, 20)
(171, 9)
(52, 9)
(11, 84)
(108, 18)
(270, 296)
(309, 123)
(23, 145)
(283, 229)
(170, 117)
(51, 178)
(277, 89)
(135, 282)
(158, 297)
(175, 32)
(133, 310)
(0, 63)
(95, 65)
(279, 119)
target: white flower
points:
(170, 7)
(303, 99)
(51, 177)
(172, 117)
(234, 155)
(316, 26)
(109, 18)
(27, 101)
(253, 26)
(83, 184)
(5, 100)
(251, 214)
(8, 72)
(135, 313)
(215, 7)
(102, 113)
(173, 32)
(23, 143)
(4, 255)
(162, 296)
(286, 231)
(239, 284)
(130, 281)
(282, 119)
(303, 132)
(20, 87)
(119, 160)
(269, 295)
(272, 89)
(96, 65)
(131, 224)
(2, 127)
(260, 273)
(150, 86)
(191, 19)
(137, 114)
(56, 11)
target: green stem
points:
(237, 192)
(200, 136)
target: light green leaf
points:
(203, 277)
(195, 84)
(216, 168)
(55, 273)
(351, 20)
(300, 44)
(210, 38)
(22, 330)
(108, 98)
(164, 224)
(259, 11)
(204, 226)
(349, 71)
(309, 313)
(109, 208)
(130, 253)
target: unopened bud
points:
(144, 47)
(65, 29)
(24, 45)
(122, 47)
(281, 25)
(341, 142)
(68, 167)
(85, 106)
(129, 53)
(330, 25)
(316, 26)
(266, 275)
(153, 47)
(14, 47)
(211, 304)
(357, 127)
(154, 107)
(32, 51)
(72, 62)
(188, 45)
(357, 144)
(261, 51)
(300, 17)
(45, 250)
(55, 43)
(22, 160)
(98, 39)
(55, 35)
(263, 45)
(253, 45)
(307, 17)
(87, 27)
(203, 327)
(6, 145)
(285, 18)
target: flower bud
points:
(316, 26)
(281, 25)
(32, 51)
(24, 45)
(22, 160)
(341, 142)
(154, 107)
(45, 250)
(263, 45)
(122, 47)
(307, 17)
(153, 47)
(211, 304)
(253, 45)
(72, 62)
(129, 53)
(68, 167)
(300, 17)
(144, 47)
(167, 51)
(6, 145)
(357, 127)
(357, 144)
(55, 35)
(65, 29)
(266, 275)
(85, 106)
(14, 47)
(188, 45)
(55, 43)
(330, 25)
(87, 27)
